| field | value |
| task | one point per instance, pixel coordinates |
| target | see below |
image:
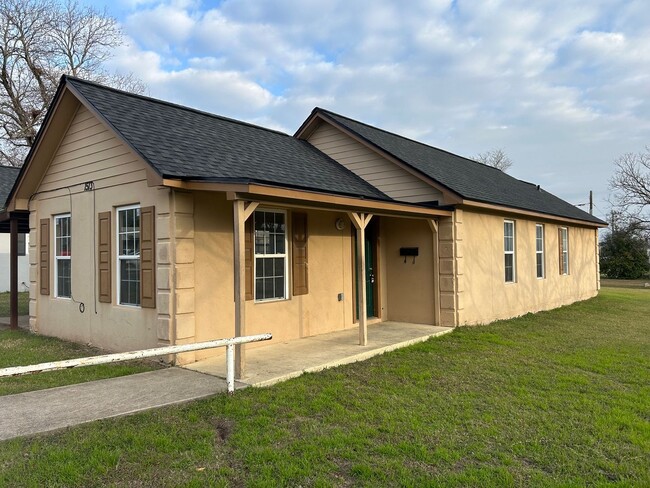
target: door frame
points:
(372, 234)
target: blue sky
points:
(562, 86)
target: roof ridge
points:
(173, 105)
(406, 138)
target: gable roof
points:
(187, 144)
(469, 179)
(8, 177)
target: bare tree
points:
(39, 41)
(496, 158)
(631, 182)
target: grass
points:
(19, 347)
(23, 303)
(559, 398)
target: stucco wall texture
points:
(487, 297)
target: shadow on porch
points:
(273, 363)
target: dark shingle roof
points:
(8, 177)
(184, 143)
(470, 179)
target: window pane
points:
(509, 263)
(63, 283)
(130, 281)
(540, 265)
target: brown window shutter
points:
(248, 260)
(147, 257)
(299, 253)
(104, 256)
(44, 256)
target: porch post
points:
(241, 214)
(13, 267)
(436, 271)
(360, 222)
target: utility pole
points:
(591, 202)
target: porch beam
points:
(13, 272)
(433, 224)
(360, 222)
(241, 212)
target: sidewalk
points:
(23, 322)
(40, 411)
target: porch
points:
(273, 363)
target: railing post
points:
(230, 368)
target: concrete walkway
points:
(55, 408)
(23, 322)
(272, 363)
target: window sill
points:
(271, 300)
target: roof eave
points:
(531, 213)
(306, 198)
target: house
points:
(152, 223)
(8, 177)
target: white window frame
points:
(58, 258)
(512, 252)
(119, 257)
(284, 255)
(564, 250)
(540, 252)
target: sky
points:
(563, 87)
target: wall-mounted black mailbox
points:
(409, 252)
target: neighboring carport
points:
(12, 223)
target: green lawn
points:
(560, 398)
(23, 303)
(19, 347)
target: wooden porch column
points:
(242, 211)
(13, 272)
(436, 271)
(360, 222)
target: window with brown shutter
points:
(299, 253)
(248, 258)
(147, 257)
(44, 256)
(104, 256)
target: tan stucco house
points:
(152, 223)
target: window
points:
(539, 249)
(270, 255)
(62, 256)
(564, 251)
(22, 244)
(128, 255)
(509, 250)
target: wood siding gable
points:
(89, 151)
(384, 175)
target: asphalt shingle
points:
(184, 143)
(8, 176)
(470, 179)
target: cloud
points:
(562, 86)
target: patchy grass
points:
(559, 398)
(19, 347)
(23, 303)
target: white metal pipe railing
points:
(144, 353)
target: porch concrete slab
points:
(55, 408)
(273, 363)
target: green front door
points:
(370, 278)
